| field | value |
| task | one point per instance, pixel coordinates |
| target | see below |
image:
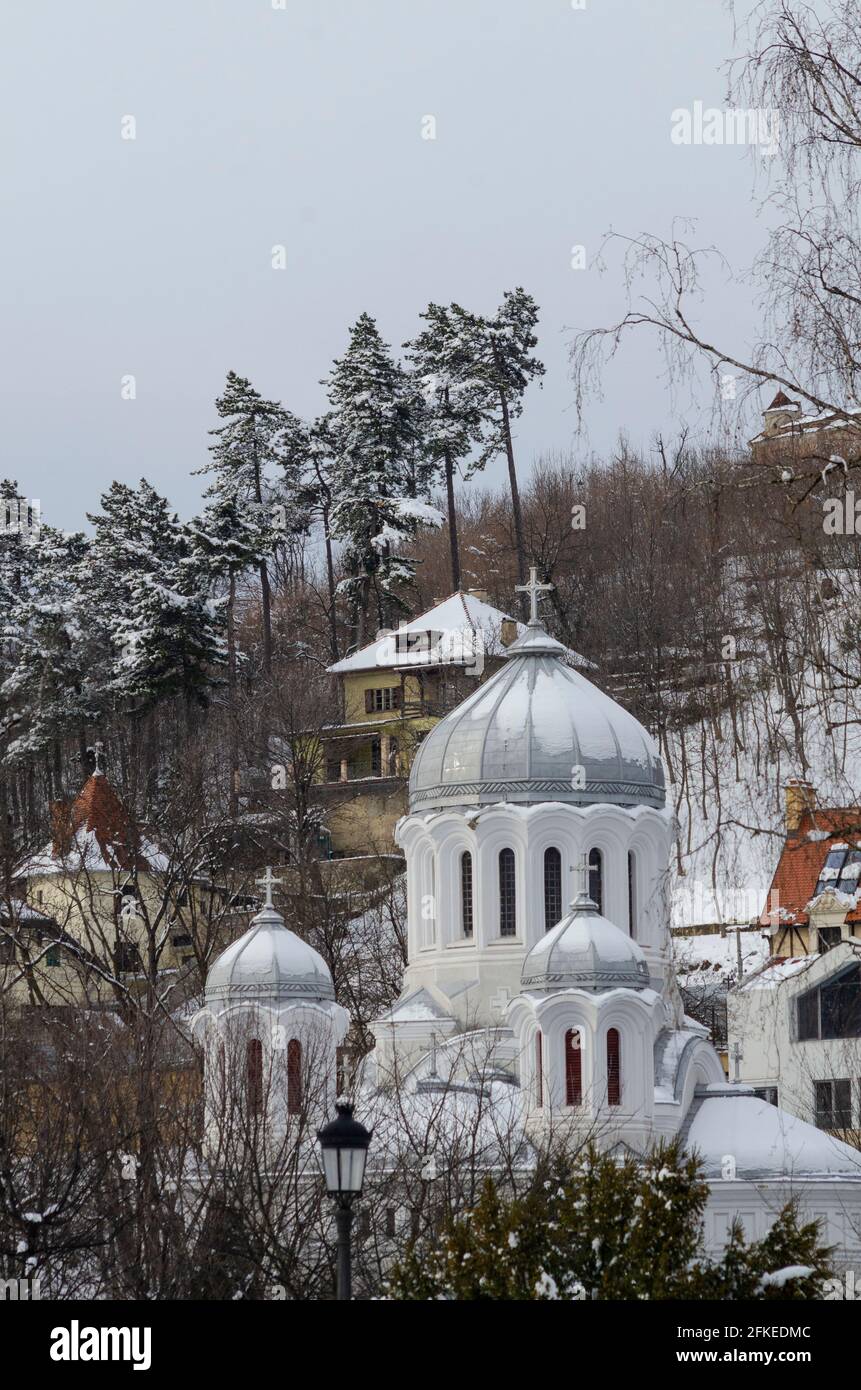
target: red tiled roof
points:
(779, 400)
(97, 810)
(801, 861)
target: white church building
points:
(537, 792)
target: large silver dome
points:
(269, 963)
(521, 736)
(585, 951)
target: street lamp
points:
(344, 1146)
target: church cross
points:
(534, 590)
(268, 882)
(580, 873)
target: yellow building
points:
(394, 690)
(98, 912)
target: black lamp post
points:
(344, 1146)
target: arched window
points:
(507, 906)
(614, 1067)
(539, 1071)
(466, 893)
(596, 878)
(632, 894)
(573, 1068)
(294, 1077)
(552, 887)
(254, 1075)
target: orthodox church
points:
(536, 792)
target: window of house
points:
(850, 871)
(767, 1093)
(830, 872)
(507, 888)
(333, 769)
(254, 1075)
(833, 1103)
(52, 956)
(294, 1077)
(552, 887)
(127, 958)
(596, 878)
(828, 937)
(466, 918)
(391, 1226)
(376, 757)
(385, 699)
(833, 1009)
(573, 1068)
(614, 1067)
(632, 894)
(181, 939)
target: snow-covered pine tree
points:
(459, 404)
(245, 445)
(55, 684)
(148, 589)
(308, 448)
(376, 485)
(502, 348)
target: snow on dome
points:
(764, 1141)
(269, 962)
(585, 951)
(537, 731)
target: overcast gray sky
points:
(302, 126)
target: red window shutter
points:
(614, 1068)
(573, 1068)
(294, 1077)
(369, 701)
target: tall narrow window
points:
(294, 1077)
(632, 894)
(507, 913)
(254, 1075)
(596, 878)
(539, 1072)
(573, 1068)
(466, 892)
(552, 887)
(614, 1068)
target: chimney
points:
(780, 413)
(800, 796)
(508, 631)
(481, 594)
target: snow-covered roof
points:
(585, 951)
(537, 731)
(269, 962)
(464, 631)
(765, 1142)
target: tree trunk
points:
(265, 591)
(231, 697)
(512, 478)
(452, 522)
(330, 579)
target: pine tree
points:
(148, 589)
(459, 404)
(377, 481)
(596, 1226)
(502, 349)
(246, 444)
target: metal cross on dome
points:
(580, 874)
(268, 882)
(534, 590)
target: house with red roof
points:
(794, 1024)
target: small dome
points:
(269, 963)
(585, 951)
(521, 735)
